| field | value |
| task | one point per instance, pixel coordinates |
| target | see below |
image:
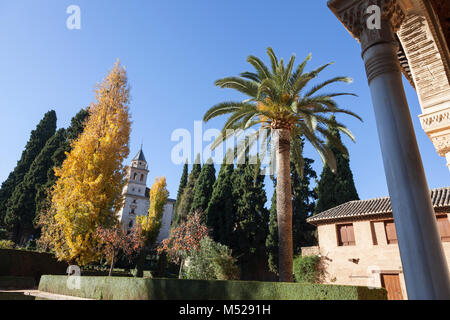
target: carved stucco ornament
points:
(354, 15)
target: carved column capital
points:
(358, 17)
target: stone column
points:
(424, 265)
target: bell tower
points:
(138, 172)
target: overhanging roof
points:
(372, 208)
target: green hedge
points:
(22, 263)
(119, 288)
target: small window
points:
(391, 235)
(346, 235)
(374, 233)
(444, 228)
(135, 176)
(132, 211)
(142, 177)
(130, 225)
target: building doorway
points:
(391, 282)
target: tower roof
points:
(140, 156)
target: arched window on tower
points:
(135, 176)
(130, 225)
(142, 177)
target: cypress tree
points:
(204, 187)
(251, 220)
(38, 138)
(71, 133)
(76, 127)
(182, 185)
(21, 206)
(220, 211)
(188, 193)
(337, 188)
(303, 203)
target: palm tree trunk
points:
(282, 139)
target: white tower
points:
(136, 192)
(137, 198)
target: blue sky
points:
(173, 52)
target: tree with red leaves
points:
(114, 239)
(184, 239)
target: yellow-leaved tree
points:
(151, 223)
(88, 192)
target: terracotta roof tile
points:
(360, 208)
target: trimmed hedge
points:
(16, 283)
(22, 263)
(119, 288)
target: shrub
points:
(6, 244)
(31, 245)
(125, 288)
(212, 261)
(308, 269)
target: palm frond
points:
(273, 59)
(260, 67)
(288, 71)
(223, 108)
(299, 71)
(251, 76)
(328, 82)
(247, 87)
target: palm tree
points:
(278, 101)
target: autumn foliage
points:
(151, 223)
(114, 240)
(88, 192)
(184, 238)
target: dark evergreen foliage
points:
(220, 211)
(188, 193)
(204, 187)
(29, 196)
(337, 188)
(71, 133)
(38, 138)
(21, 206)
(182, 185)
(251, 220)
